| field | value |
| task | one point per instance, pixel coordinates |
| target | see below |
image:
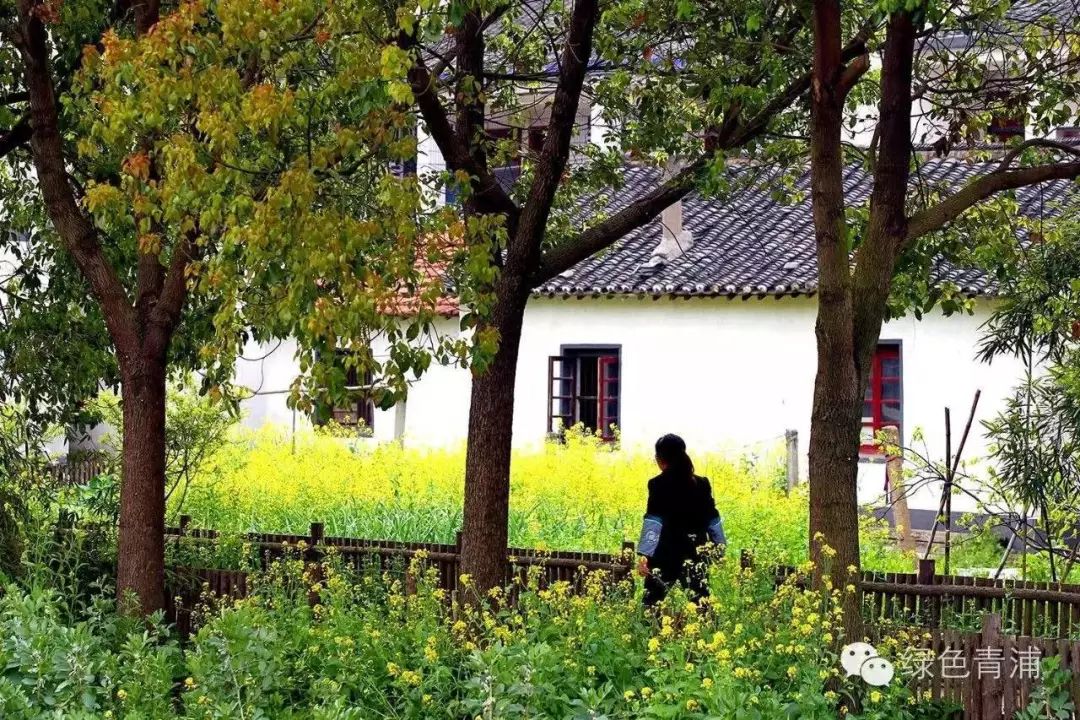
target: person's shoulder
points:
(703, 482)
(655, 482)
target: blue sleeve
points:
(716, 532)
(650, 535)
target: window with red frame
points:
(584, 385)
(883, 403)
(354, 409)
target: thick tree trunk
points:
(852, 306)
(834, 428)
(834, 460)
(487, 459)
(141, 551)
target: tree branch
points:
(76, 230)
(851, 73)
(592, 240)
(174, 288)
(1007, 160)
(14, 97)
(796, 89)
(935, 217)
(599, 236)
(564, 107)
(875, 260)
(16, 137)
(457, 157)
(146, 14)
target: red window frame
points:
(607, 401)
(568, 404)
(1006, 127)
(883, 391)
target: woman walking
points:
(681, 516)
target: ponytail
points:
(671, 449)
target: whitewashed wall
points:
(724, 374)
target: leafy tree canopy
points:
(263, 135)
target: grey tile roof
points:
(750, 244)
(1022, 15)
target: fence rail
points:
(987, 674)
(72, 471)
(187, 585)
(925, 599)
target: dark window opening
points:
(1005, 128)
(537, 138)
(585, 387)
(883, 402)
(1009, 115)
(353, 410)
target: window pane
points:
(890, 367)
(868, 411)
(587, 413)
(595, 388)
(611, 413)
(588, 377)
(890, 390)
(565, 388)
(890, 412)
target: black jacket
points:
(687, 516)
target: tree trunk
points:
(834, 463)
(835, 418)
(141, 551)
(487, 458)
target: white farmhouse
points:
(702, 324)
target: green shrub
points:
(368, 649)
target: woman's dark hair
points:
(671, 449)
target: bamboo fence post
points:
(791, 439)
(894, 471)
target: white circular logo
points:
(854, 655)
(877, 671)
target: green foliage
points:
(54, 351)
(368, 649)
(1052, 698)
(90, 668)
(265, 135)
(196, 427)
(23, 485)
(1036, 436)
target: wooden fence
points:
(925, 599)
(988, 675)
(76, 471)
(187, 584)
